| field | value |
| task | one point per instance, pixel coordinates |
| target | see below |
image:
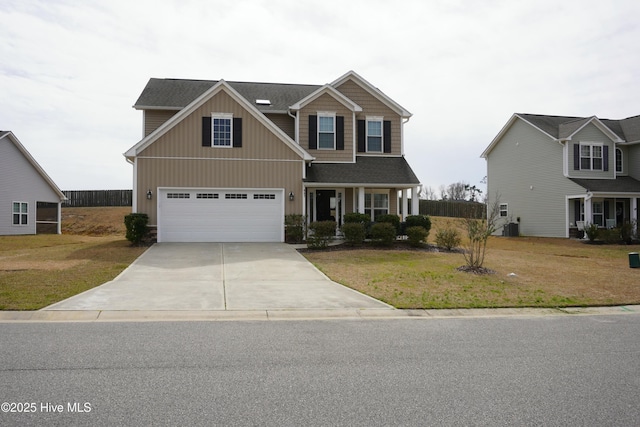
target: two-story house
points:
(553, 175)
(226, 161)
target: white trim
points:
(591, 157)
(326, 114)
(329, 90)
(615, 161)
(504, 130)
(358, 185)
(601, 126)
(376, 119)
(20, 213)
(219, 158)
(222, 116)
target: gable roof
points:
(175, 94)
(331, 91)
(565, 127)
(377, 93)
(8, 136)
(196, 103)
(367, 170)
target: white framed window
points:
(619, 168)
(598, 213)
(376, 204)
(504, 210)
(374, 134)
(221, 130)
(20, 213)
(591, 157)
(326, 131)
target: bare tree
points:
(457, 191)
(429, 193)
(478, 232)
(443, 192)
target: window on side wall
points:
(20, 213)
(504, 210)
(598, 213)
(326, 132)
(222, 130)
(374, 134)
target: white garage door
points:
(220, 215)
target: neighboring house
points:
(30, 202)
(226, 161)
(554, 174)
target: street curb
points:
(309, 314)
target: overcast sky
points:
(71, 70)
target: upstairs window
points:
(20, 213)
(222, 130)
(374, 135)
(591, 157)
(504, 210)
(618, 160)
(326, 132)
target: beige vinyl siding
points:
(371, 106)
(209, 173)
(284, 122)
(326, 103)
(153, 119)
(185, 139)
(525, 170)
(591, 134)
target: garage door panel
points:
(231, 216)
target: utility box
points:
(634, 260)
(511, 230)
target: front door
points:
(620, 212)
(326, 205)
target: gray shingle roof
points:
(622, 184)
(563, 126)
(178, 93)
(366, 170)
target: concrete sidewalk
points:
(219, 277)
(330, 314)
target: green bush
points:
(320, 234)
(390, 219)
(383, 233)
(448, 238)
(137, 228)
(592, 231)
(417, 235)
(363, 219)
(611, 236)
(626, 232)
(294, 228)
(419, 221)
(354, 233)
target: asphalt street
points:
(582, 370)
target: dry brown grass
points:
(100, 221)
(547, 273)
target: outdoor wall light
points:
(291, 196)
(149, 194)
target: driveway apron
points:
(219, 276)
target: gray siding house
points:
(553, 175)
(30, 202)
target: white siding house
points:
(30, 201)
(552, 174)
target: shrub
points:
(419, 221)
(448, 238)
(294, 228)
(417, 235)
(354, 233)
(383, 233)
(321, 233)
(363, 219)
(592, 231)
(611, 236)
(390, 219)
(626, 232)
(137, 228)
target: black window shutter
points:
(206, 131)
(576, 157)
(313, 132)
(605, 158)
(386, 131)
(237, 132)
(362, 136)
(339, 133)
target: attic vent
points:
(263, 102)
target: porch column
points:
(415, 201)
(59, 225)
(360, 199)
(405, 203)
(588, 216)
(634, 211)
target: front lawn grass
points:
(39, 270)
(546, 273)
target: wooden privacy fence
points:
(453, 208)
(92, 198)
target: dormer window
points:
(591, 157)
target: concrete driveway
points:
(219, 276)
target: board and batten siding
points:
(371, 106)
(21, 182)
(591, 134)
(326, 103)
(525, 170)
(153, 119)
